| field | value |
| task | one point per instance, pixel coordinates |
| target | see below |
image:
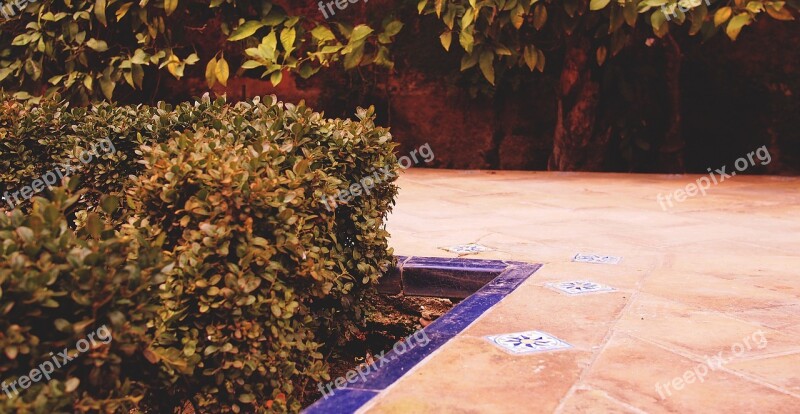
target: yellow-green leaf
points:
(276, 77)
(394, 27)
(736, 24)
(97, 45)
(598, 4)
(722, 15)
(107, 86)
(322, 34)
(109, 204)
(353, 59)
(446, 38)
(421, 5)
(211, 77)
(466, 40)
(517, 16)
(539, 16)
(360, 32)
(138, 75)
(123, 10)
(222, 71)
(100, 11)
(540, 59)
(486, 63)
(288, 37)
(530, 56)
(170, 6)
(245, 30)
(755, 6)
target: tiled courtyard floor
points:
(714, 276)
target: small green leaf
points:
(722, 15)
(245, 30)
(539, 16)
(170, 6)
(211, 77)
(393, 28)
(109, 204)
(97, 45)
(468, 61)
(421, 6)
(322, 34)
(466, 40)
(288, 37)
(94, 225)
(446, 38)
(353, 59)
(100, 12)
(736, 24)
(486, 63)
(222, 71)
(123, 10)
(360, 32)
(518, 16)
(598, 4)
(530, 57)
(276, 78)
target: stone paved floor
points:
(715, 275)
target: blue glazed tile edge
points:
(399, 362)
(341, 402)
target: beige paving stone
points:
(633, 372)
(591, 401)
(702, 333)
(580, 320)
(481, 378)
(777, 317)
(782, 371)
(701, 278)
(713, 292)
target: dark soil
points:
(392, 319)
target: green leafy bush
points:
(262, 271)
(263, 277)
(57, 285)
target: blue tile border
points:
(342, 402)
(499, 279)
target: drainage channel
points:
(483, 283)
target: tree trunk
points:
(670, 156)
(579, 143)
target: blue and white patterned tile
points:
(596, 258)
(529, 342)
(469, 248)
(579, 287)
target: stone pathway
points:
(704, 315)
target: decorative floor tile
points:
(579, 287)
(528, 342)
(470, 248)
(596, 258)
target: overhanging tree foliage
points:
(84, 49)
(107, 49)
(497, 35)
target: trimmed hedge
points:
(260, 278)
(58, 285)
